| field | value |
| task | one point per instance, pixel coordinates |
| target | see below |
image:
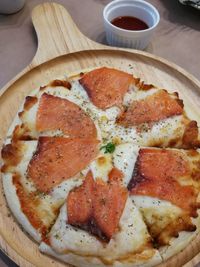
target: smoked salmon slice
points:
(106, 87)
(55, 113)
(57, 159)
(157, 174)
(109, 201)
(115, 175)
(101, 205)
(79, 203)
(153, 108)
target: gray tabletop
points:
(177, 38)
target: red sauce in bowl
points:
(129, 23)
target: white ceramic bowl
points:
(136, 8)
(11, 6)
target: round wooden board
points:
(58, 43)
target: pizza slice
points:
(107, 230)
(164, 185)
(37, 176)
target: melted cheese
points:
(137, 95)
(124, 158)
(132, 236)
(157, 213)
(176, 245)
(102, 166)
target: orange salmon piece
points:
(106, 87)
(162, 163)
(156, 174)
(55, 113)
(79, 202)
(96, 206)
(115, 175)
(153, 108)
(109, 203)
(57, 159)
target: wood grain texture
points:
(60, 32)
(62, 49)
(194, 262)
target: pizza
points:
(102, 169)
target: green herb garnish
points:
(109, 148)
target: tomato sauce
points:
(129, 23)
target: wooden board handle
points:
(57, 33)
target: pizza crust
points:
(78, 261)
(15, 207)
(181, 242)
(152, 207)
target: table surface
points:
(177, 38)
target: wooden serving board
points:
(62, 48)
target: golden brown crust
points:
(42, 88)
(190, 136)
(182, 223)
(22, 133)
(29, 203)
(12, 155)
(29, 102)
(162, 233)
(141, 85)
(62, 83)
